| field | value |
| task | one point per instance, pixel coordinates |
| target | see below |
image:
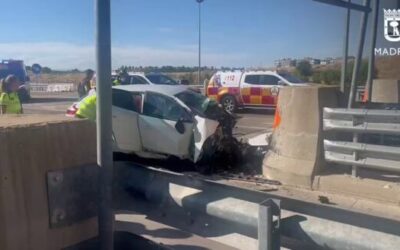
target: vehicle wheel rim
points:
(229, 105)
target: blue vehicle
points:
(17, 68)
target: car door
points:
(158, 126)
(251, 89)
(269, 89)
(125, 114)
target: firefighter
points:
(84, 85)
(87, 107)
(9, 100)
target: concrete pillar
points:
(385, 91)
(296, 147)
(30, 147)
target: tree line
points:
(173, 69)
(331, 76)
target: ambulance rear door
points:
(230, 84)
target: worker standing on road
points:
(117, 81)
(9, 100)
(84, 85)
(87, 108)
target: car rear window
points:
(126, 100)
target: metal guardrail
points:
(54, 87)
(357, 122)
(237, 212)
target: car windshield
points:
(195, 101)
(290, 78)
(161, 79)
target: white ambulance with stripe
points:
(253, 89)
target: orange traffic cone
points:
(277, 118)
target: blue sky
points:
(60, 33)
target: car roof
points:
(161, 89)
(131, 73)
(249, 72)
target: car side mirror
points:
(282, 83)
(180, 126)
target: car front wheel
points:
(229, 103)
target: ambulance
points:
(249, 89)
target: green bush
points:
(304, 69)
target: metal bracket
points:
(72, 195)
(269, 229)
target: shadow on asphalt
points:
(256, 111)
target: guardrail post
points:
(268, 229)
(355, 155)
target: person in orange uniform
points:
(9, 100)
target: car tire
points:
(23, 95)
(228, 102)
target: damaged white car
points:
(158, 121)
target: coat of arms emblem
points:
(392, 23)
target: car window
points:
(252, 79)
(195, 101)
(138, 80)
(162, 107)
(269, 80)
(127, 100)
(161, 79)
(291, 78)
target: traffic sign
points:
(36, 69)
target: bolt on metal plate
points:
(72, 195)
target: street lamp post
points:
(199, 73)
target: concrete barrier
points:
(296, 147)
(30, 146)
(385, 91)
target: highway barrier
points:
(54, 87)
(296, 147)
(361, 122)
(190, 198)
(31, 146)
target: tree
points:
(304, 69)
(46, 70)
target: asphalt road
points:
(249, 121)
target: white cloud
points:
(70, 56)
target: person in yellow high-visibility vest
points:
(9, 100)
(117, 81)
(87, 108)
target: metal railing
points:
(54, 87)
(362, 122)
(230, 210)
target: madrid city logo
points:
(391, 32)
(392, 25)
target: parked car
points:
(150, 78)
(17, 68)
(157, 121)
(248, 89)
